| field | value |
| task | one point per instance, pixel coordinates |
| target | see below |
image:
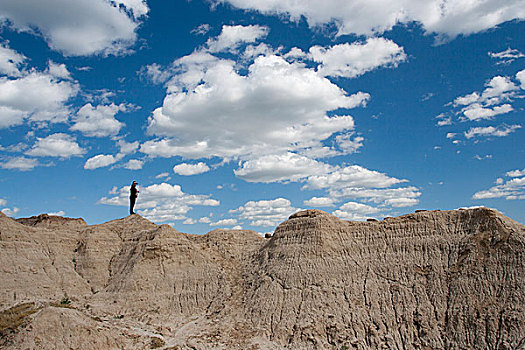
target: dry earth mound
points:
(429, 280)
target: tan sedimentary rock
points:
(429, 280)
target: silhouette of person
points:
(133, 197)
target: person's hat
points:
(135, 182)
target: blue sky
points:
(238, 113)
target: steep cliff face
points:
(429, 280)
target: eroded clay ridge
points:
(428, 280)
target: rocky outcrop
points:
(428, 280)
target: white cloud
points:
(127, 147)
(477, 112)
(353, 176)
(496, 99)
(449, 18)
(20, 163)
(277, 107)
(100, 161)
(283, 167)
(401, 202)
(162, 175)
(137, 7)
(156, 73)
(189, 221)
(10, 61)
(190, 169)
(511, 189)
(98, 121)
(355, 211)
(515, 173)
(507, 56)
(56, 145)
(498, 89)
(134, 164)
(319, 202)
(81, 27)
(58, 70)
(58, 213)
(161, 202)
(201, 29)
(205, 220)
(520, 76)
(443, 120)
(398, 197)
(232, 37)
(224, 222)
(352, 60)
(10, 212)
(253, 51)
(39, 97)
(499, 131)
(265, 213)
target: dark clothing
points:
(132, 198)
(131, 204)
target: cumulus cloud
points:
(190, 169)
(511, 189)
(10, 61)
(98, 121)
(499, 131)
(160, 202)
(58, 213)
(224, 222)
(138, 8)
(477, 105)
(277, 107)
(282, 167)
(232, 37)
(319, 202)
(10, 212)
(155, 73)
(39, 97)
(7, 211)
(265, 213)
(352, 60)
(58, 70)
(521, 78)
(515, 173)
(20, 163)
(395, 197)
(56, 145)
(82, 27)
(134, 164)
(496, 99)
(100, 161)
(127, 147)
(448, 18)
(353, 176)
(477, 112)
(355, 211)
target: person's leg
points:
(131, 205)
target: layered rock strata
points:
(428, 280)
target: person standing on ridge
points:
(133, 197)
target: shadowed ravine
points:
(429, 280)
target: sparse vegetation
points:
(157, 343)
(14, 317)
(65, 303)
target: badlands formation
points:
(428, 280)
